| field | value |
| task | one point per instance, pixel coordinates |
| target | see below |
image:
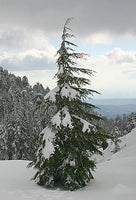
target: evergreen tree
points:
(67, 143)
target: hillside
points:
(114, 178)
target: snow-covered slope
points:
(115, 178)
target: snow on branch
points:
(48, 137)
(51, 96)
(86, 125)
(62, 118)
(69, 92)
(65, 91)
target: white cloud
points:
(20, 39)
(121, 57)
(26, 50)
(28, 60)
(99, 38)
(115, 73)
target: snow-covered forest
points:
(21, 121)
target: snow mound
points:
(115, 178)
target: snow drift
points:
(115, 178)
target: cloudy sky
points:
(30, 32)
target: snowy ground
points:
(115, 178)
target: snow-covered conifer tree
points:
(67, 143)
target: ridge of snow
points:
(127, 143)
